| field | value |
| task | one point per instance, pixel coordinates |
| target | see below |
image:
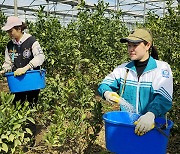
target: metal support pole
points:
(64, 20)
(72, 13)
(47, 8)
(144, 11)
(15, 8)
(117, 5)
(164, 5)
(114, 4)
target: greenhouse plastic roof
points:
(133, 10)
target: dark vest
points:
(22, 54)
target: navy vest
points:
(21, 54)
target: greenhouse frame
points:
(66, 10)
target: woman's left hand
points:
(21, 71)
(2, 72)
(145, 123)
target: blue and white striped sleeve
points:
(110, 83)
(163, 90)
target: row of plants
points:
(14, 130)
(78, 56)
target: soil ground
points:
(4, 85)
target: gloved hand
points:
(2, 72)
(21, 71)
(111, 97)
(145, 123)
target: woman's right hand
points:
(111, 97)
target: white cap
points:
(12, 21)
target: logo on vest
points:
(12, 51)
(26, 53)
(165, 73)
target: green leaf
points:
(52, 61)
(12, 150)
(22, 120)
(17, 142)
(17, 133)
(16, 126)
(31, 119)
(4, 147)
(22, 136)
(28, 131)
(83, 116)
(92, 104)
(85, 60)
(10, 99)
(8, 133)
(20, 116)
(27, 139)
(26, 103)
(11, 137)
(4, 136)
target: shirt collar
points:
(150, 65)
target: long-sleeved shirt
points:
(26, 51)
(152, 91)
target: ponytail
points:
(154, 52)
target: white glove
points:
(21, 71)
(145, 123)
(111, 97)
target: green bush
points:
(3, 38)
(13, 120)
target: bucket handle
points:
(160, 129)
(40, 70)
(166, 120)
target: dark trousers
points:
(30, 96)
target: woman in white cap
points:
(144, 82)
(22, 53)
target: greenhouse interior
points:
(89, 61)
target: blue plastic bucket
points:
(32, 80)
(121, 139)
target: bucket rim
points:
(119, 123)
(170, 123)
(30, 71)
